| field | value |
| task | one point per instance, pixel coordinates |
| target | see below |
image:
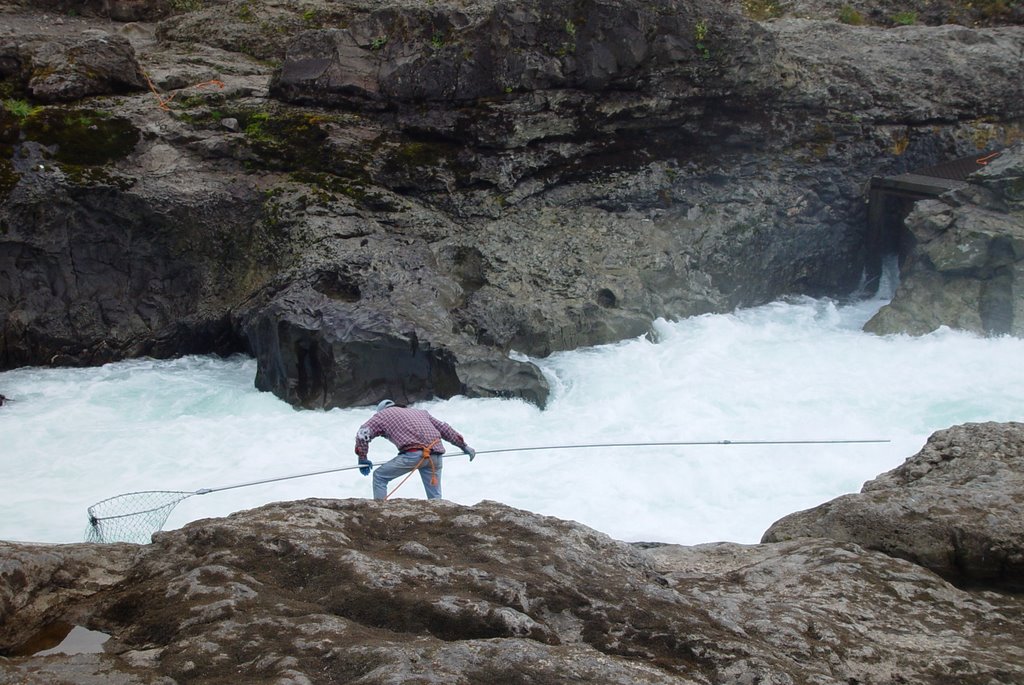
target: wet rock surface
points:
(327, 591)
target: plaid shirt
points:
(408, 429)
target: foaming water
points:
(796, 370)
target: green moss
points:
(11, 88)
(905, 18)
(330, 187)
(761, 10)
(81, 136)
(419, 154)
(293, 140)
(8, 177)
(848, 15)
(10, 128)
(92, 176)
(329, 184)
(247, 11)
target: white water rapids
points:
(795, 370)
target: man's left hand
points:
(470, 451)
(364, 466)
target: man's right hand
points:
(364, 466)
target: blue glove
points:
(470, 451)
(364, 466)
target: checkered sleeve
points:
(449, 433)
(367, 432)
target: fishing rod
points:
(135, 516)
(680, 444)
(207, 490)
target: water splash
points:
(799, 369)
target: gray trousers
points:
(403, 464)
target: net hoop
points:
(133, 516)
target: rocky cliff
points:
(415, 591)
(403, 199)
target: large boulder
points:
(324, 591)
(843, 614)
(39, 585)
(956, 507)
(966, 267)
(69, 66)
(343, 340)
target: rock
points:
(74, 66)
(41, 584)
(843, 614)
(327, 591)
(968, 254)
(175, 270)
(335, 345)
(956, 507)
(441, 192)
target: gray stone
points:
(967, 263)
(956, 507)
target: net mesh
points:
(132, 517)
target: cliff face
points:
(389, 200)
(416, 591)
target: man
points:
(417, 435)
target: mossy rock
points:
(8, 176)
(299, 141)
(81, 136)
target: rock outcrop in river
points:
(415, 591)
(964, 266)
(402, 199)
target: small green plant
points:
(905, 18)
(247, 12)
(19, 108)
(569, 46)
(378, 42)
(848, 15)
(255, 126)
(700, 36)
(437, 40)
(760, 10)
(309, 17)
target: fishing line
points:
(680, 444)
(135, 516)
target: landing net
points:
(133, 516)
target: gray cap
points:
(384, 404)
